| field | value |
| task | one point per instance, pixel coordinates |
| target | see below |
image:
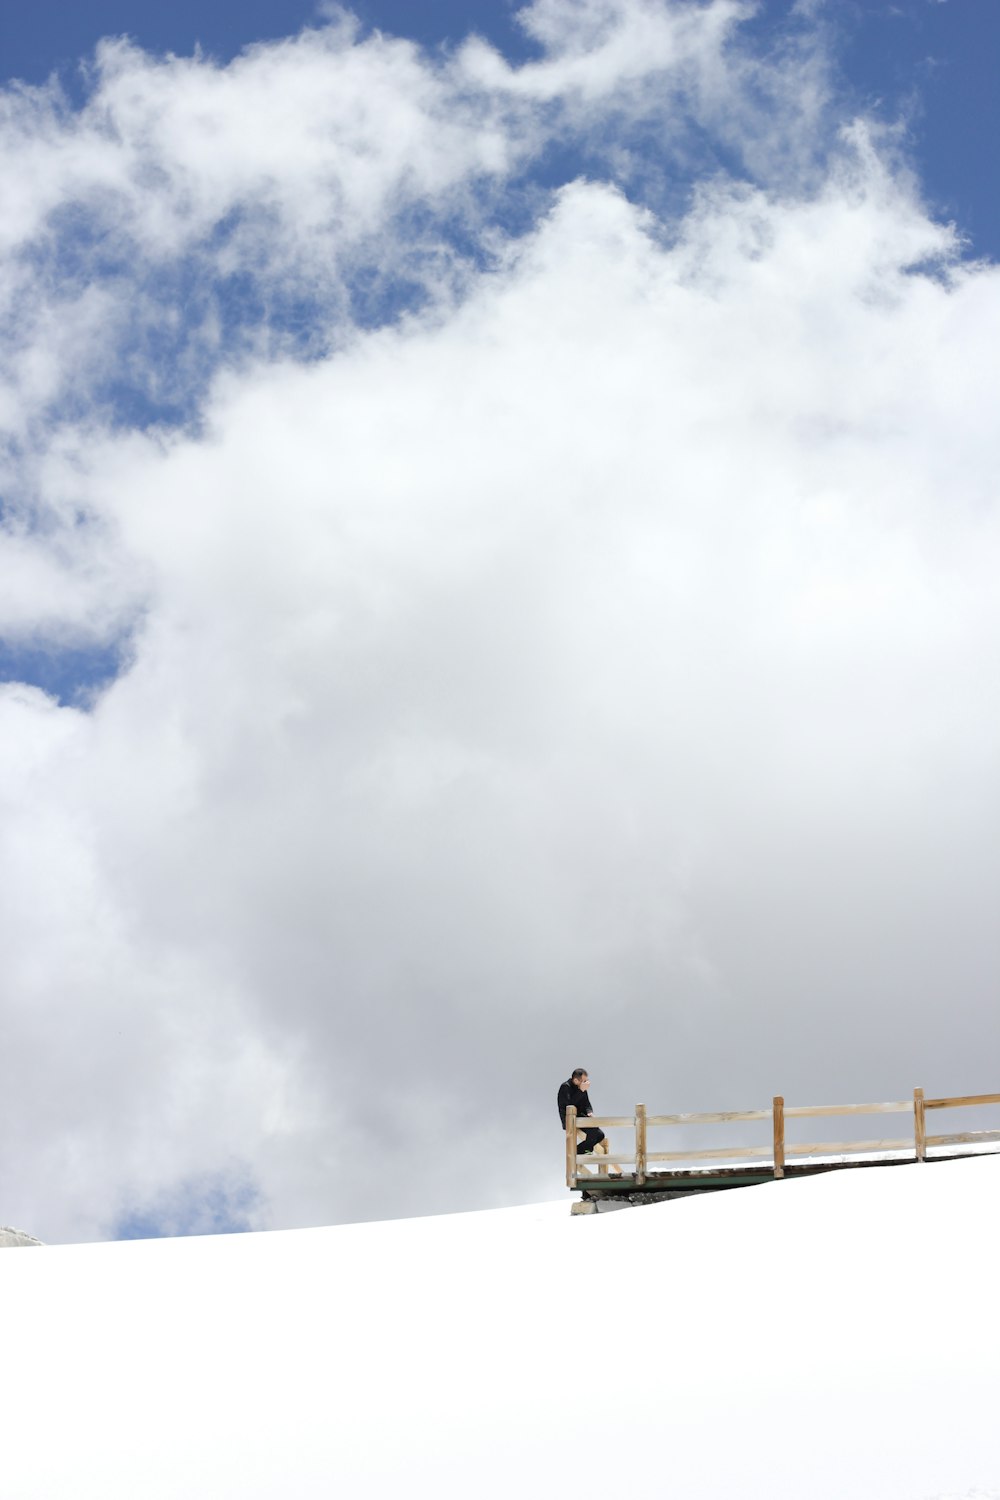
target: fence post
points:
(778, 1104)
(571, 1146)
(640, 1144)
(919, 1125)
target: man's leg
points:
(584, 1145)
(596, 1141)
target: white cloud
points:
(593, 49)
(296, 171)
(593, 669)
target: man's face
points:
(583, 1082)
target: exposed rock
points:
(10, 1238)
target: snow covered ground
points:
(828, 1339)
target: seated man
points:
(574, 1091)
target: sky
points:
(498, 532)
(454, 1355)
(927, 65)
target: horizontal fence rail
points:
(638, 1158)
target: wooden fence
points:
(640, 1158)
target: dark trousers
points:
(591, 1138)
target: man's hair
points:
(579, 1073)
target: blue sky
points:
(210, 1204)
(497, 559)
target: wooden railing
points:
(640, 1157)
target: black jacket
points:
(570, 1094)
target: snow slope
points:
(813, 1340)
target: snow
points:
(832, 1338)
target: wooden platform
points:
(659, 1187)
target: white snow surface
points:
(833, 1338)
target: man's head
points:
(580, 1078)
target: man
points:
(574, 1091)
